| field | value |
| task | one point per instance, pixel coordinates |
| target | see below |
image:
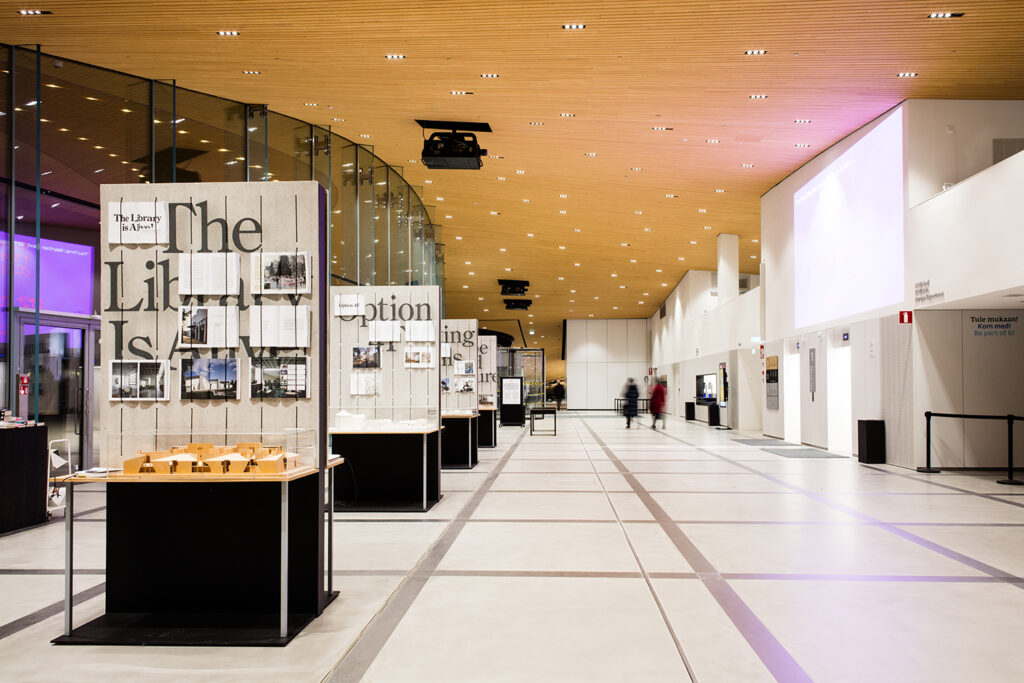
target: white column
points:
(728, 268)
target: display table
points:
(205, 559)
(396, 471)
(459, 441)
(541, 413)
(23, 470)
(487, 428)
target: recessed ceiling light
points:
(488, 75)
(671, 196)
(711, 141)
(754, 241)
(615, 274)
(639, 302)
(465, 286)
(746, 166)
(801, 120)
(561, 211)
(632, 260)
(495, 156)
(310, 104)
(636, 168)
(458, 237)
(753, 256)
(495, 213)
(577, 229)
(591, 154)
(572, 291)
(661, 128)
(566, 115)
(801, 144)
(561, 246)
(520, 171)
(596, 298)
(682, 258)
(755, 52)
(623, 244)
(461, 92)
(486, 310)
(251, 73)
(501, 177)
(469, 263)
(394, 56)
(33, 12)
(440, 199)
(509, 269)
(907, 74)
(622, 286)
(707, 227)
(526, 201)
(502, 249)
(759, 97)
(719, 190)
(472, 273)
(702, 210)
(227, 33)
(647, 229)
(576, 265)
(428, 182)
(563, 196)
(479, 298)
(945, 15)
(448, 217)
(574, 27)
(529, 234)
(638, 213)
(561, 277)
(536, 123)
(693, 241)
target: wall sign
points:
(906, 317)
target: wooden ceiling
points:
(599, 171)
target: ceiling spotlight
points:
(671, 196)
(227, 33)
(394, 56)
(755, 52)
(638, 213)
(661, 128)
(682, 258)
(647, 229)
(564, 115)
(461, 92)
(801, 144)
(251, 73)
(536, 123)
(501, 177)
(33, 12)
(520, 171)
(488, 75)
(801, 120)
(702, 210)
(574, 27)
(591, 154)
(495, 213)
(746, 166)
(945, 15)
(719, 191)
(636, 168)
(310, 104)
(693, 242)
(623, 244)
(758, 97)
(907, 74)
(711, 141)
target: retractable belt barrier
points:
(1010, 419)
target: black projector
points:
(452, 150)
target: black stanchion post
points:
(928, 445)
(1009, 454)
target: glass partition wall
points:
(67, 127)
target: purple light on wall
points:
(66, 277)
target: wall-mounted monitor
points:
(707, 389)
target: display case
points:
(528, 364)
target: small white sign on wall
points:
(137, 223)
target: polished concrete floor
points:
(606, 554)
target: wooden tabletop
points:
(206, 478)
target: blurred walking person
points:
(658, 404)
(632, 396)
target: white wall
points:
(599, 356)
(949, 141)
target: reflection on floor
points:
(603, 554)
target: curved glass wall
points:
(66, 128)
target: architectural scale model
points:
(205, 458)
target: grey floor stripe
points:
(957, 489)
(355, 663)
(12, 627)
(888, 526)
(51, 572)
(779, 662)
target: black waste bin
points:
(871, 441)
(690, 410)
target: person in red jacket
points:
(658, 404)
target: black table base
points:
(393, 472)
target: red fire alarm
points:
(906, 316)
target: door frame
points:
(90, 326)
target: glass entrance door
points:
(62, 352)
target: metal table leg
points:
(330, 530)
(469, 443)
(69, 553)
(283, 626)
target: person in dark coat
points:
(632, 396)
(658, 404)
(558, 393)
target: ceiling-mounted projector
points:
(517, 304)
(456, 148)
(514, 287)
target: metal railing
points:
(1010, 419)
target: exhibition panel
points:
(460, 357)
(385, 396)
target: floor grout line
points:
(776, 658)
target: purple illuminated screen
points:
(66, 275)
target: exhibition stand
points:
(460, 362)
(23, 469)
(385, 397)
(213, 418)
(513, 408)
(487, 391)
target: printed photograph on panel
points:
(284, 272)
(209, 378)
(278, 378)
(366, 357)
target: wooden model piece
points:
(205, 458)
